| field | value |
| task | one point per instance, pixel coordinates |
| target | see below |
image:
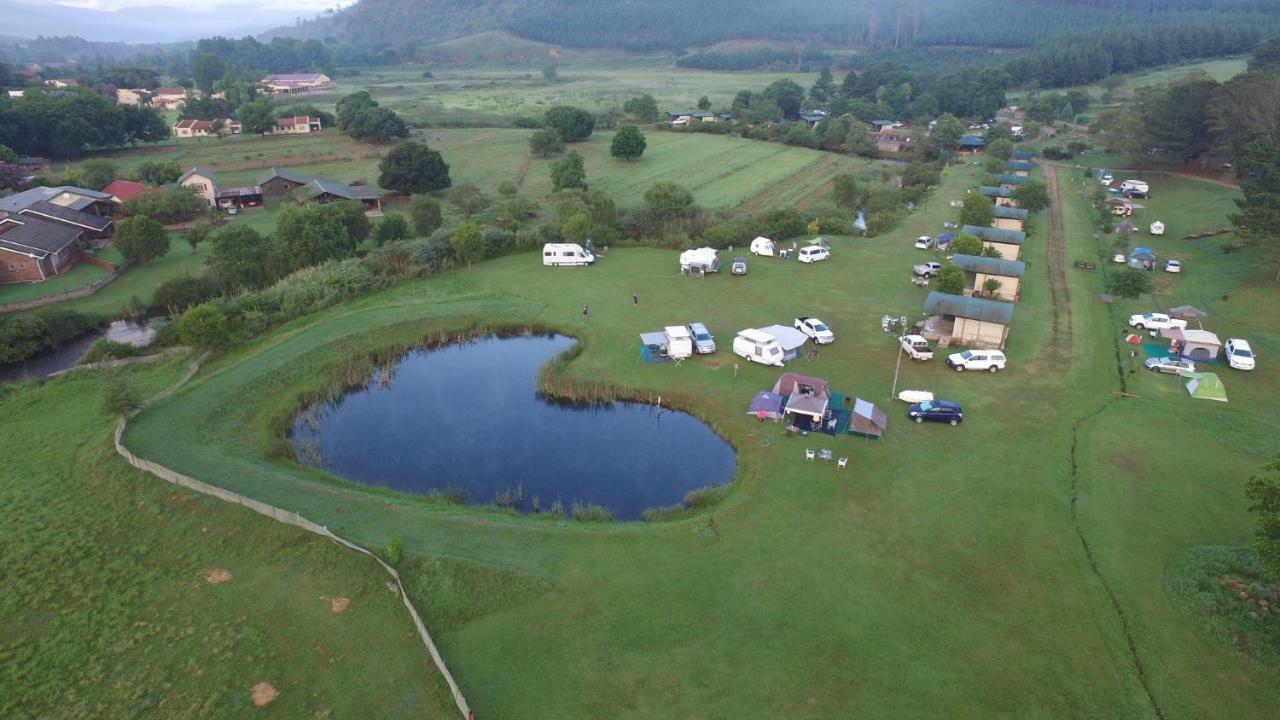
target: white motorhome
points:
(759, 347)
(557, 254)
(762, 246)
(679, 342)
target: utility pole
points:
(896, 366)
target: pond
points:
(467, 417)
(129, 332)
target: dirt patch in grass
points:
(338, 605)
(217, 576)
(263, 694)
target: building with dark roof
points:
(321, 190)
(1006, 242)
(1019, 166)
(1011, 180)
(971, 144)
(1006, 276)
(33, 248)
(68, 196)
(971, 321)
(1009, 218)
(1022, 155)
(95, 227)
(279, 181)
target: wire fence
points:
(284, 516)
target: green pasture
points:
(943, 569)
(109, 610)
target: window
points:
(759, 350)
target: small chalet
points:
(881, 125)
(34, 249)
(1009, 218)
(296, 83)
(1006, 242)
(971, 144)
(297, 125)
(1011, 180)
(1022, 155)
(1019, 167)
(320, 190)
(1003, 196)
(202, 182)
(971, 321)
(193, 128)
(979, 269)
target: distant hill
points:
(161, 24)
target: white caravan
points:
(556, 254)
(762, 246)
(679, 342)
(759, 347)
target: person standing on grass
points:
(584, 310)
(635, 300)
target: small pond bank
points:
(66, 355)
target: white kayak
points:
(915, 396)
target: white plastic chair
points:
(842, 462)
(808, 454)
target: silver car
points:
(1170, 365)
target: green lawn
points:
(943, 570)
(78, 276)
(109, 610)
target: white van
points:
(679, 341)
(557, 254)
(759, 347)
(762, 246)
(813, 254)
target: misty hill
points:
(140, 24)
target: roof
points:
(1011, 179)
(83, 219)
(972, 141)
(27, 198)
(35, 236)
(1022, 155)
(788, 337)
(995, 191)
(789, 384)
(284, 174)
(815, 405)
(881, 123)
(989, 265)
(297, 120)
(766, 402)
(123, 189)
(756, 335)
(1000, 235)
(653, 338)
(194, 124)
(1018, 165)
(322, 186)
(294, 78)
(1011, 213)
(245, 191)
(203, 172)
(1142, 253)
(972, 308)
(171, 90)
(1187, 335)
(867, 419)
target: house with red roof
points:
(121, 190)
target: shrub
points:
(105, 349)
(395, 551)
(572, 123)
(426, 215)
(545, 143)
(951, 279)
(180, 293)
(204, 326)
(120, 397)
(591, 513)
(391, 228)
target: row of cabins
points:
(278, 182)
(44, 231)
(172, 97)
(294, 125)
(981, 316)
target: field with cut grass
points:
(1015, 565)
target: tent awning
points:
(768, 403)
(810, 405)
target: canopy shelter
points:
(1198, 345)
(653, 347)
(1206, 386)
(1189, 312)
(805, 404)
(790, 339)
(797, 384)
(766, 405)
(867, 420)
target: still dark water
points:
(467, 417)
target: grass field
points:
(944, 569)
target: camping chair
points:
(808, 454)
(842, 463)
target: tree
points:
(951, 279)
(306, 237)
(121, 397)
(643, 108)
(508, 189)
(412, 167)
(628, 143)
(1259, 216)
(1129, 283)
(947, 133)
(991, 286)
(704, 103)
(568, 172)
(97, 173)
(159, 172)
(8, 155)
(1032, 196)
(976, 210)
(966, 244)
(184, 291)
(1266, 57)
(377, 124)
(549, 73)
(198, 233)
(207, 69)
(1242, 109)
(786, 94)
(140, 239)
(573, 124)
(1001, 149)
(546, 142)
(239, 257)
(205, 327)
(1263, 489)
(11, 176)
(468, 243)
(468, 199)
(426, 215)
(667, 199)
(391, 228)
(350, 214)
(350, 106)
(824, 88)
(257, 116)
(845, 190)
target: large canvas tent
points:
(797, 384)
(1206, 386)
(766, 405)
(1198, 345)
(653, 347)
(811, 405)
(867, 420)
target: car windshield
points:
(819, 327)
(926, 406)
(1241, 352)
(966, 355)
(703, 336)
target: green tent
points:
(1206, 386)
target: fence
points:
(83, 292)
(284, 516)
(123, 362)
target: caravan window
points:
(775, 351)
(759, 350)
(548, 253)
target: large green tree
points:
(377, 124)
(951, 279)
(569, 172)
(413, 167)
(668, 200)
(786, 94)
(947, 133)
(573, 124)
(1266, 57)
(468, 243)
(206, 70)
(1031, 196)
(1258, 219)
(643, 108)
(546, 142)
(257, 116)
(846, 192)
(426, 215)
(628, 143)
(1263, 490)
(350, 106)
(239, 257)
(976, 210)
(304, 237)
(140, 239)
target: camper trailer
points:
(557, 254)
(762, 246)
(679, 341)
(699, 261)
(1135, 188)
(759, 347)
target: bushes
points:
(180, 293)
(167, 206)
(105, 349)
(205, 327)
(24, 336)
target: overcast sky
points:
(312, 5)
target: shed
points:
(1206, 386)
(797, 384)
(653, 347)
(979, 269)
(971, 143)
(968, 320)
(789, 339)
(1009, 218)
(1004, 241)
(1197, 345)
(867, 420)
(766, 405)
(1141, 258)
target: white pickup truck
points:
(916, 347)
(1155, 321)
(816, 329)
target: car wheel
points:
(1140, 326)
(954, 422)
(993, 369)
(919, 418)
(959, 368)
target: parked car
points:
(1173, 266)
(1169, 365)
(951, 224)
(1239, 354)
(924, 242)
(813, 254)
(989, 360)
(739, 266)
(937, 411)
(1155, 321)
(815, 330)
(703, 342)
(916, 347)
(928, 269)
(1119, 259)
